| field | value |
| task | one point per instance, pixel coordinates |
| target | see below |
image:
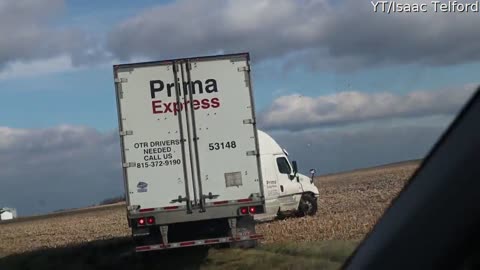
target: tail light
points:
(244, 210)
(150, 220)
(252, 210)
(145, 221)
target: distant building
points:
(8, 213)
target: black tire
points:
(308, 206)
(280, 215)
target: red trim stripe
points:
(170, 207)
(220, 202)
(245, 200)
(194, 243)
(212, 241)
(146, 210)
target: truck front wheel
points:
(308, 206)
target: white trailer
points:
(195, 166)
(190, 151)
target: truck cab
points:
(287, 192)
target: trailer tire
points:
(308, 205)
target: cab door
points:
(290, 189)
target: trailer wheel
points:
(308, 206)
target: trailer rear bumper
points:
(178, 214)
(201, 242)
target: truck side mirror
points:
(312, 172)
(295, 168)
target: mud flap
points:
(245, 227)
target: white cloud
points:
(74, 166)
(322, 34)
(342, 36)
(62, 167)
(28, 35)
(341, 149)
(267, 28)
(342, 108)
(20, 69)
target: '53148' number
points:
(222, 145)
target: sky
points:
(338, 85)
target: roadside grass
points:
(301, 255)
(117, 254)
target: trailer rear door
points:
(188, 132)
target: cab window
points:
(283, 165)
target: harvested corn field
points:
(349, 205)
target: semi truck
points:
(196, 169)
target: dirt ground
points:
(349, 205)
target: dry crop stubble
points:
(63, 230)
(349, 205)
